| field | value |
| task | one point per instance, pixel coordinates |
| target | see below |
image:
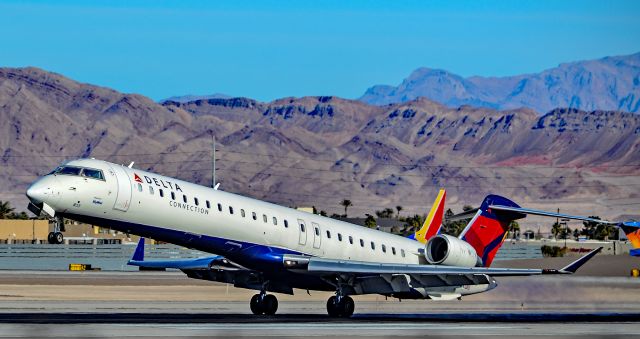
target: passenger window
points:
(161, 193)
(402, 252)
(361, 243)
(208, 204)
(173, 196)
(184, 198)
(242, 212)
(328, 234)
(196, 201)
(393, 250)
(264, 217)
(339, 237)
(140, 187)
(384, 248)
(317, 231)
(286, 224)
(151, 190)
(275, 221)
(302, 227)
(230, 210)
(220, 207)
(253, 214)
(373, 246)
(91, 173)
(351, 240)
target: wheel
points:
(51, 238)
(256, 305)
(270, 304)
(332, 307)
(342, 309)
(348, 306)
(59, 238)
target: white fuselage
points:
(129, 200)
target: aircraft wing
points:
(323, 266)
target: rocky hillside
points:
(320, 150)
(611, 83)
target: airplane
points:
(632, 230)
(270, 248)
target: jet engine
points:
(447, 250)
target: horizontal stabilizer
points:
(182, 264)
(547, 214)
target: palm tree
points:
(346, 203)
(5, 209)
(399, 208)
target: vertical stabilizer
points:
(433, 222)
(487, 230)
(632, 231)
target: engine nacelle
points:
(447, 250)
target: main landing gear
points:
(340, 306)
(264, 303)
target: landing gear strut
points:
(264, 303)
(56, 236)
(340, 306)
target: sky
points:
(273, 49)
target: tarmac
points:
(168, 304)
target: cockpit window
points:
(92, 173)
(68, 170)
(85, 172)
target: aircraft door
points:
(123, 196)
(302, 228)
(317, 235)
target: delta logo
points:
(157, 182)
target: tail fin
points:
(632, 231)
(138, 254)
(487, 229)
(433, 222)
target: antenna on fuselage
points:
(214, 184)
(131, 164)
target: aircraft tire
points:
(257, 307)
(348, 306)
(58, 237)
(51, 238)
(332, 310)
(270, 304)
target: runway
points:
(167, 304)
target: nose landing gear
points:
(264, 303)
(56, 236)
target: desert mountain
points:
(320, 150)
(189, 97)
(611, 83)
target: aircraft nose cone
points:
(38, 193)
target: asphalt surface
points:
(167, 304)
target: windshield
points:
(79, 171)
(69, 170)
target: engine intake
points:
(447, 250)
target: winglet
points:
(574, 266)
(138, 254)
